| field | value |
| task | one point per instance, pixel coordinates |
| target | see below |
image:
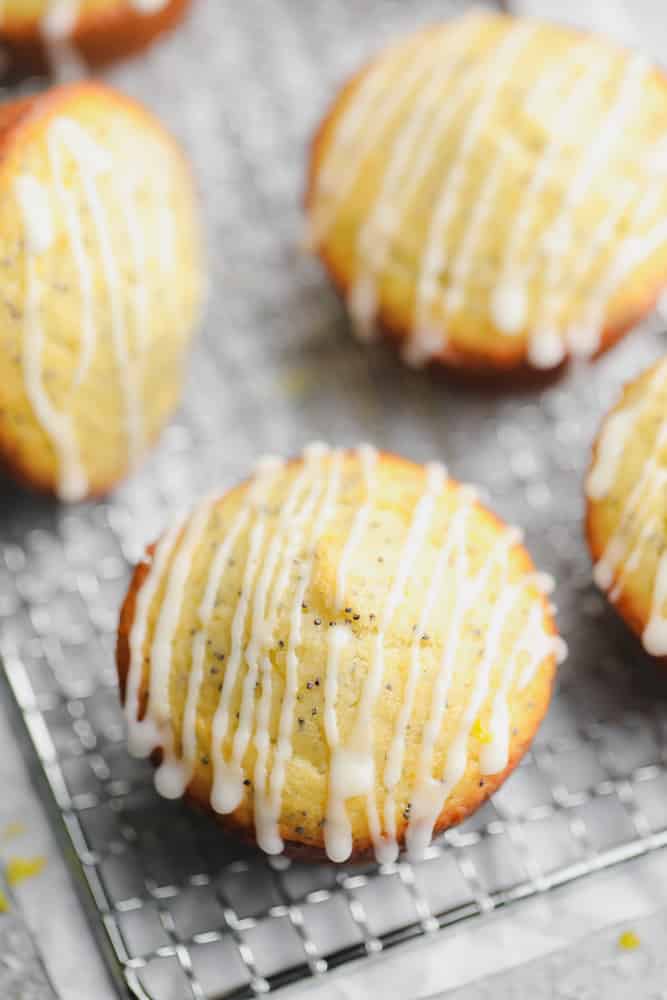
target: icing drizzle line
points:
(620, 555)
(273, 551)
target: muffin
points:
(100, 286)
(98, 31)
(627, 508)
(491, 194)
(344, 655)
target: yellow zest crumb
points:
(4, 903)
(12, 830)
(19, 869)
(481, 733)
(297, 381)
(628, 941)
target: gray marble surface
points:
(614, 964)
(45, 921)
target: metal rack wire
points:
(179, 910)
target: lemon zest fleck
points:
(481, 733)
(628, 941)
(19, 869)
(297, 382)
(12, 830)
(4, 903)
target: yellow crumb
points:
(19, 869)
(481, 733)
(628, 941)
(297, 381)
(12, 830)
(4, 903)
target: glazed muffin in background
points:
(51, 32)
(627, 508)
(101, 286)
(491, 193)
(342, 656)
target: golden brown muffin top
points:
(627, 495)
(495, 188)
(335, 650)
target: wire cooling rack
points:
(180, 911)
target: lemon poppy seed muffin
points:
(627, 507)
(100, 286)
(343, 655)
(61, 31)
(492, 194)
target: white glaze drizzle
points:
(360, 129)
(278, 558)
(144, 734)
(169, 777)
(268, 811)
(618, 558)
(633, 250)
(256, 495)
(509, 297)
(368, 458)
(127, 198)
(463, 259)
(396, 755)
(583, 336)
(312, 499)
(58, 25)
(81, 260)
(61, 16)
(226, 779)
(535, 644)
(66, 136)
(543, 350)
(33, 201)
(655, 633)
(430, 794)
(92, 159)
(412, 155)
(352, 766)
(337, 832)
(435, 255)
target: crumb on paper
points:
(481, 733)
(4, 903)
(12, 830)
(297, 381)
(628, 941)
(19, 869)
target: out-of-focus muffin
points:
(97, 31)
(101, 284)
(627, 507)
(492, 193)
